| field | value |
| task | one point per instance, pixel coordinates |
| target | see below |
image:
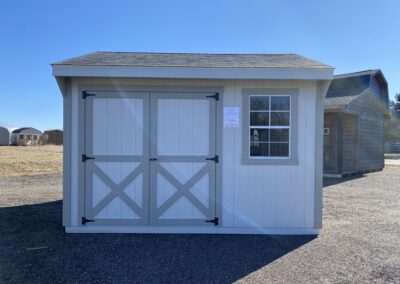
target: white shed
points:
(25, 136)
(4, 136)
(192, 143)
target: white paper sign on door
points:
(231, 117)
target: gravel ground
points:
(360, 242)
(392, 162)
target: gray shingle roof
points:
(349, 86)
(359, 73)
(346, 87)
(27, 130)
(194, 60)
(338, 102)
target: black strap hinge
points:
(84, 221)
(86, 94)
(215, 221)
(215, 159)
(84, 158)
(215, 96)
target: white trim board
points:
(192, 73)
(191, 230)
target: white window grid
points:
(270, 126)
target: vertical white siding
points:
(183, 208)
(117, 172)
(183, 127)
(117, 126)
(252, 195)
(117, 129)
(228, 196)
(270, 196)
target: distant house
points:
(353, 124)
(4, 136)
(54, 136)
(25, 136)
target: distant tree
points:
(392, 129)
(395, 105)
(392, 123)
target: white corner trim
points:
(322, 88)
(191, 73)
(191, 230)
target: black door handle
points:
(153, 159)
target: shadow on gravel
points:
(34, 248)
(334, 181)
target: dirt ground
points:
(30, 160)
(358, 244)
(392, 162)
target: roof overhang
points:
(61, 84)
(193, 73)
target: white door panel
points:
(116, 186)
(117, 126)
(182, 179)
(126, 130)
(183, 127)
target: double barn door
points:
(149, 158)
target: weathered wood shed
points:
(192, 143)
(53, 136)
(25, 136)
(4, 136)
(354, 121)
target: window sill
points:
(270, 161)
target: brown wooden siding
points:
(349, 143)
(52, 137)
(359, 141)
(370, 131)
(331, 143)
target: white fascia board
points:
(193, 73)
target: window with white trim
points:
(269, 131)
(270, 126)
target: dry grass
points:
(30, 160)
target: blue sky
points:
(350, 35)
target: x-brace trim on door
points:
(182, 190)
(117, 190)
